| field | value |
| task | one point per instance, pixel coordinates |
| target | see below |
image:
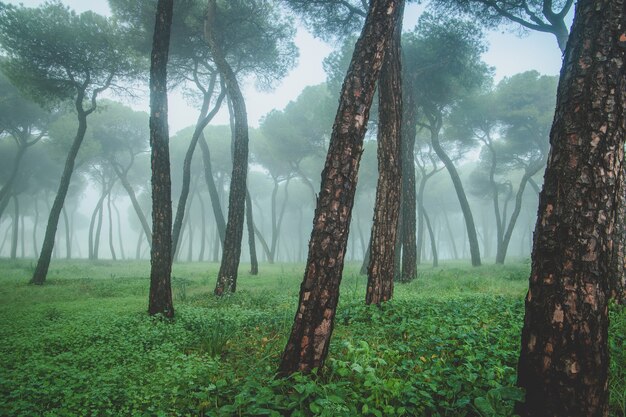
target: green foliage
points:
(447, 345)
(52, 53)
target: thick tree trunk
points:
(409, 197)
(227, 276)
(564, 360)
(460, 193)
(254, 263)
(39, 276)
(382, 267)
(308, 342)
(160, 298)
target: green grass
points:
(447, 345)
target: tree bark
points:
(227, 276)
(111, 248)
(564, 360)
(382, 267)
(5, 192)
(160, 298)
(68, 234)
(120, 238)
(308, 342)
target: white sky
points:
(508, 53)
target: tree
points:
(512, 123)
(443, 57)
(308, 342)
(546, 16)
(54, 54)
(564, 361)
(381, 269)
(160, 298)
(25, 122)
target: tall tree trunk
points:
(451, 236)
(97, 216)
(460, 193)
(309, 339)
(203, 121)
(160, 298)
(213, 193)
(111, 248)
(16, 226)
(41, 270)
(122, 175)
(254, 263)
(227, 276)
(409, 198)
(564, 360)
(96, 243)
(382, 267)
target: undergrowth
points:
(447, 345)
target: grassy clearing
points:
(447, 345)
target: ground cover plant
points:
(446, 345)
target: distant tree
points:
(512, 123)
(160, 298)
(443, 60)
(25, 122)
(308, 342)
(122, 135)
(546, 16)
(54, 54)
(579, 234)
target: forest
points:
(418, 232)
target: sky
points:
(508, 53)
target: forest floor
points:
(82, 345)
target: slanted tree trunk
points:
(458, 187)
(227, 276)
(382, 266)
(309, 339)
(41, 270)
(213, 193)
(564, 360)
(160, 298)
(5, 191)
(123, 176)
(433, 240)
(203, 121)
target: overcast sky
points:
(508, 53)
